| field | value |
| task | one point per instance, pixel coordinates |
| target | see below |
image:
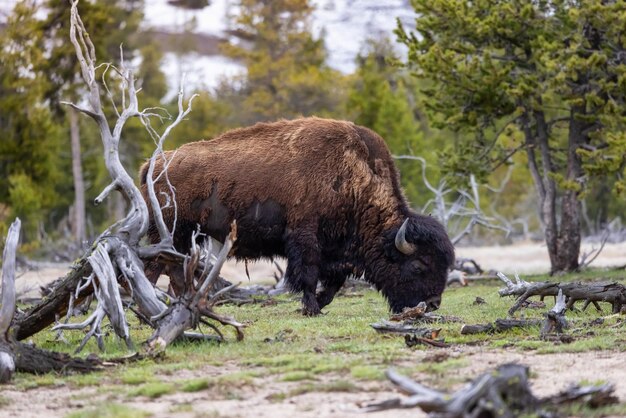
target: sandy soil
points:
(551, 372)
(530, 257)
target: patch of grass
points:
(196, 385)
(367, 373)
(574, 410)
(110, 410)
(580, 345)
(136, 376)
(238, 378)
(4, 401)
(82, 380)
(443, 367)
(32, 382)
(297, 376)
(333, 386)
(181, 407)
(153, 390)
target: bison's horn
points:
(402, 244)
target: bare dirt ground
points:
(550, 372)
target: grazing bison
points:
(323, 193)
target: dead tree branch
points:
(500, 325)
(591, 293)
(116, 253)
(555, 322)
(504, 392)
(461, 215)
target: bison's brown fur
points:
(323, 193)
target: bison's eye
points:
(417, 266)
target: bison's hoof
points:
(311, 311)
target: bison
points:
(324, 194)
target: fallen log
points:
(54, 304)
(591, 293)
(504, 392)
(500, 325)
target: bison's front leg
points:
(332, 280)
(302, 273)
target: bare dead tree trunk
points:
(7, 357)
(24, 357)
(115, 255)
(79, 224)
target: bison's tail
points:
(143, 172)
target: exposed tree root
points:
(504, 392)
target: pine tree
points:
(30, 145)
(382, 98)
(546, 78)
(286, 71)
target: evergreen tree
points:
(286, 71)
(30, 145)
(382, 97)
(543, 77)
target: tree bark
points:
(79, 222)
(45, 313)
(569, 234)
(562, 239)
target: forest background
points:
(50, 157)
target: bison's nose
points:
(433, 303)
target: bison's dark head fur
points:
(419, 254)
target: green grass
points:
(332, 352)
(108, 410)
(195, 385)
(153, 390)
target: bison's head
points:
(420, 254)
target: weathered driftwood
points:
(23, 357)
(499, 325)
(114, 259)
(194, 303)
(590, 293)
(504, 392)
(555, 322)
(388, 327)
(7, 357)
(467, 265)
(54, 304)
